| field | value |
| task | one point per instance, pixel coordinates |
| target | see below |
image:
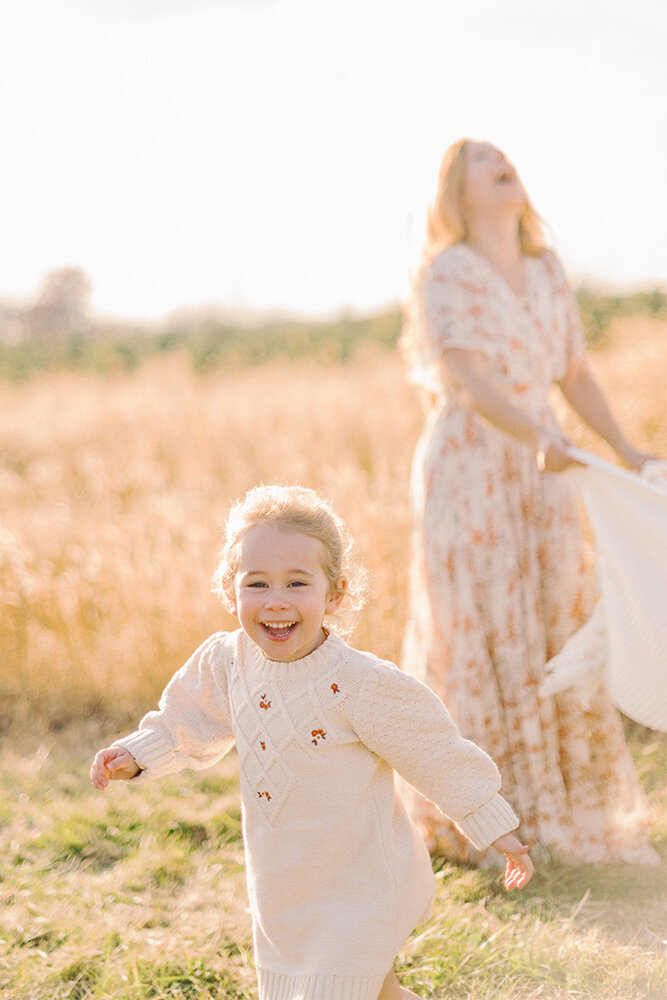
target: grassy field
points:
(111, 493)
(140, 893)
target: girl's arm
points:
(191, 728)
(468, 370)
(407, 725)
(404, 722)
(585, 396)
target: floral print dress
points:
(500, 576)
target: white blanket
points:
(626, 637)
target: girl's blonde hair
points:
(295, 508)
(445, 221)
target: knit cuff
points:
(489, 822)
(152, 752)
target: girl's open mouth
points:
(279, 630)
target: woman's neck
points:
(497, 239)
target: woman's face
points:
(490, 181)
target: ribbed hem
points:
(489, 822)
(152, 753)
(317, 986)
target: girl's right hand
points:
(113, 764)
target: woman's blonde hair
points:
(446, 226)
(295, 508)
(446, 223)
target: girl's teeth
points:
(279, 629)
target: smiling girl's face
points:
(281, 592)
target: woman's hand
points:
(552, 452)
(633, 458)
(519, 869)
(113, 764)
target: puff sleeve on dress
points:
(451, 314)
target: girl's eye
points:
(257, 584)
(297, 583)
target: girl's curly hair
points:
(296, 508)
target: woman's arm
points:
(585, 396)
(468, 371)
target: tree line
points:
(58, 330)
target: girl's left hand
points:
(519, 869)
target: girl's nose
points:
(276, 599)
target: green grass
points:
(139, 894)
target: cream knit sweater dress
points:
(338, 876)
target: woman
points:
(499, 579)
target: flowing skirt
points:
(499, 581)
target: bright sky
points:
(281, 153)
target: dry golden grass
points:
(112, 490)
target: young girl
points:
(338, 876)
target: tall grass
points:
(112, 490)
